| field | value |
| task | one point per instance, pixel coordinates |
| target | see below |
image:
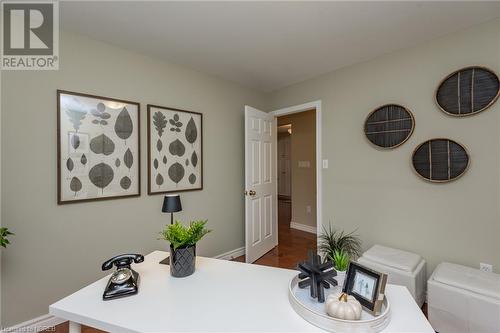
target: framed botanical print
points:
(98, 148)
(175, 150)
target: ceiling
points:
(270, 45)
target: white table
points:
(221, 296)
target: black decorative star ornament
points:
(316, 275)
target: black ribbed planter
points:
(182, 260)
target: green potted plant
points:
(4, 234)
(340, 260)
(183, 246)
(337, 245)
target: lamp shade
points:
(171, 204)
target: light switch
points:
(304, 164)
(325, 164)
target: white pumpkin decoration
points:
(343, 307)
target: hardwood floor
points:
(292, 244)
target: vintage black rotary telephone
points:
(124, 281)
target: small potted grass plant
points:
(340, 260)
(332, 239)
(183, 246)
(339, 247)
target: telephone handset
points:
(124, 281)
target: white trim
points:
(36, 325)
(303, 227)
(231, 254)
(319, 159)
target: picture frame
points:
(175, 150)
(98, 148)
(366, 285)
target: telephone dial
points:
(124, 281)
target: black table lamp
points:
(171, 204)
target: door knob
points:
(252, 193)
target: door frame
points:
(319, 161)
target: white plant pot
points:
(340, 278)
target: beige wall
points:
(376, 191)
(62, 247)
(303, 148)
(59, 249)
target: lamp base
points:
(165, 261)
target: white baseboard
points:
(303, 227)
(46, 321)
(35, 325)
(231, 254)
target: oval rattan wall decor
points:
(468, 91)
(440, 160)
(389, 126)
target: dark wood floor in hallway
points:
(292, 244)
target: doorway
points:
(297, 170)
(292, 211)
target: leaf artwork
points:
(175, 123)
(192, 178)
(194, 159)
(155, 164)
(117, 163)
(176, 172)
(125, 183)
(75, 141)
(102, 145)
(191, 131)
(128, 159)
(76, 117)
(83, 159)
(187, 161)
(75, 185)
(101, 175)
(123, 125)
(177, 148)
(159, 145)
(160, 122)
(69, 164)
(101, 107)
(159, 179)
(100, 114)
(164, 159)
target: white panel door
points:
(261, 217)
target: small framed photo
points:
(366, 285)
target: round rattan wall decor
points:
(389, 126)
(468, 91)
(440, 160)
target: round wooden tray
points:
(314, 312)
